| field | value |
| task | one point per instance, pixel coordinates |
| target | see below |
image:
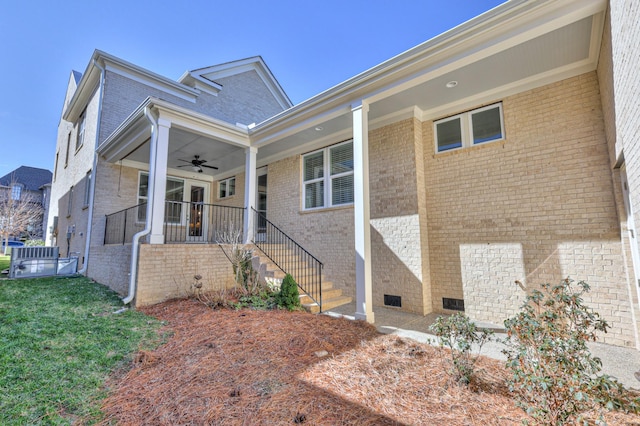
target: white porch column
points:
(364, 297)
(158, 172)
(249, 192)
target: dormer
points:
(207, 79)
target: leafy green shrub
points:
(554, 375)
(288, 297)
(458, 333)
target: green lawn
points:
(4, 262)
(60, 338)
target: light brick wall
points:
(327, 234)
(536, 208)
(244, 99)
(111, 265)
(395, 221)
(167, 271)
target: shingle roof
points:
(31, 177)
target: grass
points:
(60, 339)
(4, 262)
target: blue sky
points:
(309, 46)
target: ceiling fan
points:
(196, 164)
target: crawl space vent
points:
(453, 304)
(390, 300)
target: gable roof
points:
(205, 79)
(32, 178)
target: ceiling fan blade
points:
(211, 167)
(186, 161)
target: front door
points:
(197, 214)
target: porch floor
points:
(621, 363)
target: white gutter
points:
(133, 278)
(92, 190)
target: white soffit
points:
(532, 63)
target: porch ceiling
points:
(507, 52)
(184, 145)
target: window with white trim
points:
(87, 189)
(470, 128)
(81, 127)
(173, 197)
(16, 192)
(327, 177)
(227, 187)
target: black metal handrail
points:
(183, 222)
(289, 256)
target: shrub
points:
(554, 375)
(459, 334)
(288, 297)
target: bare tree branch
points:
(19, 212)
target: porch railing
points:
(289, 256)
(183, 222)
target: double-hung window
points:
(16, 192)
(87, 189)
(469, 128)
(227, 187)
(173, 197)
(327, 177)
(81, 128)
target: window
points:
(66, 155)
(173, 196)
(87, 189)
(81, 127)
(227, 187)
(470, 128)
(55, 166)
(70, 203)
(16, 192)
(327, 176)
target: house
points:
(503, 149)
(30, 184)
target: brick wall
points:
(536, 208)
(167, 271)
(395, 220)
(327, 234)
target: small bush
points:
(554, 375)
(458, 333)
(288, 297)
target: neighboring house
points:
(33, 184)
(504, 149)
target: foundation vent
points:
(395, 301)
(453, 304)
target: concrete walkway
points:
(621, 363)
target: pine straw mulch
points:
(226, 367)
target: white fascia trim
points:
(306, 123)
(342, 135)
(90, 78)
(202, 124)
(360, 82)
(521, 29)
(135, 75)
(504, 26)
(514, 88)
(255, 63)
(136, 127)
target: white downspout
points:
(133, 278)
(92, 190)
